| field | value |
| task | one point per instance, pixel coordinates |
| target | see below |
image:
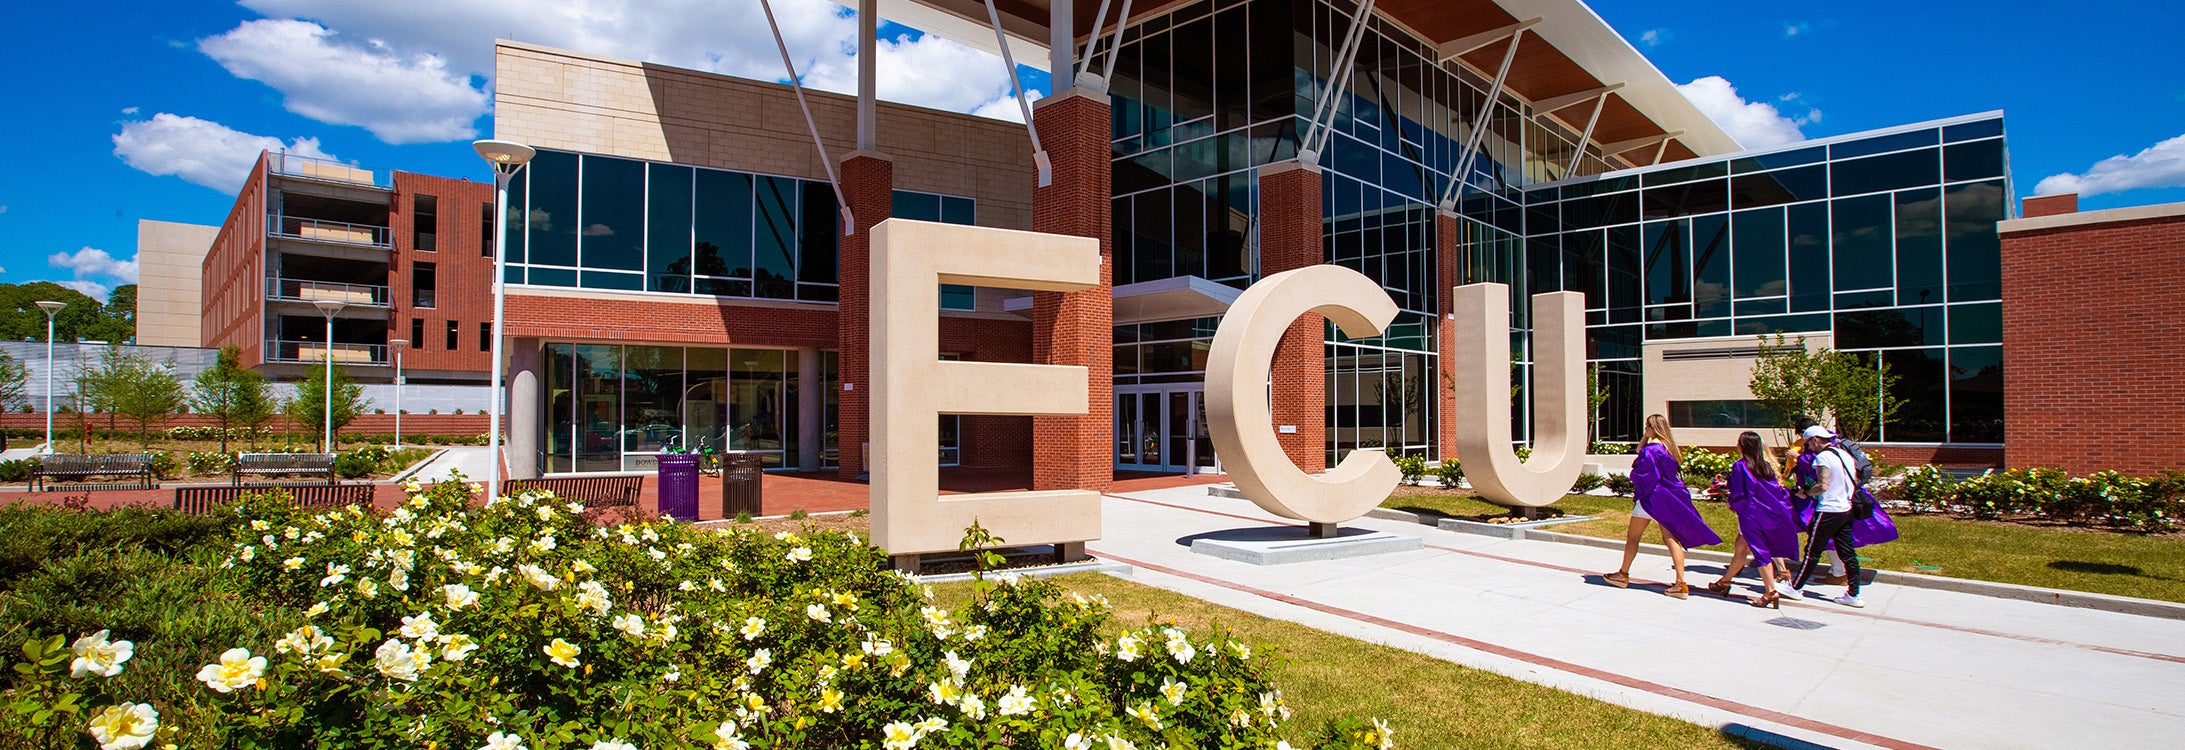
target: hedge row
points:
(2105, 498)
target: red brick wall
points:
(869, 184)
(234, 269)
(463, 272)
(1449, 271)
(2051, 205)
(1917, 455)
(993, 442)
(1289, 239)
(2094, 346)
(1077, 328)
(412, 424)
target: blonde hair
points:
(1657, 430)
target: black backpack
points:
(1862, 468)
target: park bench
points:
(201, 500)
(592, 491)
(78, 467)
(266, 464)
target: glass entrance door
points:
(1162, 428)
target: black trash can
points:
(740, 474)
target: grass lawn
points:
(2147, 566)
(1430, 703)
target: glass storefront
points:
(613, 408)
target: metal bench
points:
(592, 491)
(283, 463)
(78, 466)
(201, 500)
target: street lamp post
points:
(330, 307)
(506, 157)
(398, 345)
(50, 308)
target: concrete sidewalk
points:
(1915, 668)
(473, 461)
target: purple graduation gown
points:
(1763, 516)
(1864, 533)
(1664, 496)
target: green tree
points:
(233, 394)
(1596, 395)
(129, 384)
(1843, 387)
(308, 409)
(81, 318)
(14, 382)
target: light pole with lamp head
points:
(398, 345)
(330, 307)
(50, 308)
(506, 157)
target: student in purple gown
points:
(1833, 490)
(1766, 530)
(1661, 498)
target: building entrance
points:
(1163, 428)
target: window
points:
(424, 285)
(485, 230)
(553, 214)
(485, 336)
(454, 329)
(1722, 414)
(424, 222)
(417, 333)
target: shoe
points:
(1618, 580)
(1678, 591)
(1784, 588)
(1850, 600)
(1832, 580)
(1721, 588)
(1770, 600)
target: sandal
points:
(1618, 580)
(1770, 600)
(1678, 590)
(1721, 588)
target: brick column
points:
(1290, 238)
(1076, 328)
(868, 182)
(1448, 273)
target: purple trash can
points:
(679, 486)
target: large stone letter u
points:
(1482, 384)
(1240, 418)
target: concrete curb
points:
(437, 453)
(1088, 566)
(2059, 597)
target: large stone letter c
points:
(1241, 419)
(1482, 375)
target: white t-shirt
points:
(1836, 497)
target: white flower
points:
(1017, 702)
(125, 726)
(1173, 691)
(1147, 713)
(544, 543)
(759, 661)
(539, 577)
(457, 647)
(563, 652)
(877, 646)
(800, 554)
(818, 613)
(592, 596)
(420, 627)
(727, 737)
(95, 655)
(974, 708)
(316, 610)
(613, 745)
(655, 554)
(631, 625)
(292, 563)
(237, 669)
(959, 667)
(944, 692)
(1118, 743)
(499, 741)
(974, 632)
(546, 513)
(1126, 648)
(335, 574)
(397, 661)
(899, 736)
(1076, 742)
(1179, 646)
(367, 588)
(459, 596)
(583, 567)
(753, 627)
(305, 640)
(1381, 732)
(398, 579)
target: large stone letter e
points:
(1482, 384)
(911, 386)
(1241, 421)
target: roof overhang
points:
(1568, 50)
(1175, 298)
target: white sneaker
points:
(1850, 600)
(1784, 588)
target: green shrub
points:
(1700, 462)
(1524, 453)
(1622, 485)
(166, 465)
(211, 462)
(452, 626)
(354, 465)
(17, 471)
(1450, 473)
(1925, 489)
(1609, 449)
(1413, 467)
(1587, 482)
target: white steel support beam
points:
(848, 226)
(1338, 80)
(1479, 124)
(1061, 43)
(1115, 45)
(1092, 40)
(1660, 151)
(1612, 149)
(868, 30)
(1045, 165)
(1454, 48)
(1545, 106)
(1587, 136)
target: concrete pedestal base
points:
(1289, 544)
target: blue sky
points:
(137, 110)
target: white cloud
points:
(2157, 166)
(1751, 124)
(200, 151)
(129, 110)
(730, 38)
(92, 263)
(90, 289)
(1795, 28)
(1005, 108)
(1654, 37)
(401, 98)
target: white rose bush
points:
(476, 634)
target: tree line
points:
(127, 384)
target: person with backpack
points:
(1835, 491)
(1662, 498)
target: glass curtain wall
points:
(1887, 241)
(612, 407)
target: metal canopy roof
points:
(1569, 51)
